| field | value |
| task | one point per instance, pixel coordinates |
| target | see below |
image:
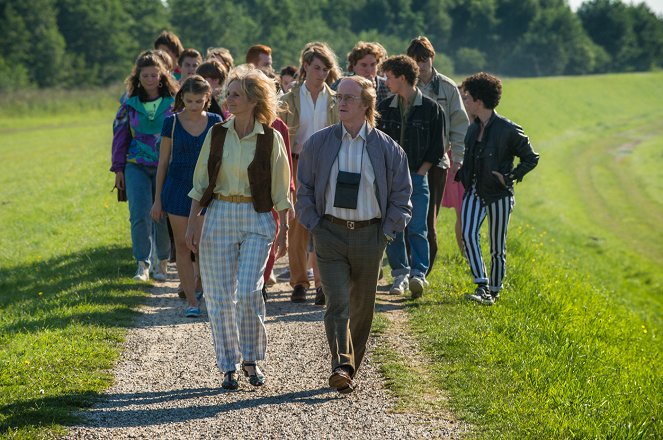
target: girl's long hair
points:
(197, 85)
(149, 58)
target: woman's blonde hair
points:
(368, 96)
(259, 89)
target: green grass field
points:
(572, 350)
(66, 295)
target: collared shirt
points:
(233, 178)
(350, 159)
(312, 116)
(415, 99)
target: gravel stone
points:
(167, 384)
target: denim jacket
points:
(424, 130)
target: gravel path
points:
(167, 384)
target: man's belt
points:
(351, 224)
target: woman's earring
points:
(160, 84)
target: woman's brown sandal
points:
(256, 379)
(230, 380)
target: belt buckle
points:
(350, 224)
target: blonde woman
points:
(241, 174)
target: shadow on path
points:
(117, 410)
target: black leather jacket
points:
(502, 141)
(424, 131)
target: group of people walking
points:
(333, 170)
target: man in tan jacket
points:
(309, 107)
(442, 90)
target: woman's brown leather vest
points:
(259, 170)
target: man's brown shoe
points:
(298, 294)
(319, 297)
(341, 380)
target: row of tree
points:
(70, 43)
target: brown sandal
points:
(230, 380)
(257, 379)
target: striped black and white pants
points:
(472, 216)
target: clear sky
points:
(654, 5)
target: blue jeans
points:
(417, 235)
(140, 182)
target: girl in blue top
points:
(182, 137)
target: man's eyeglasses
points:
(347, 98)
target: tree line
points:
(71, 43)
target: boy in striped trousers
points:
(488, 174)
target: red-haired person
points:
(260, 56)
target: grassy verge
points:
(66, 292)
(407, 370)
(573, 349)
(394, 366)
